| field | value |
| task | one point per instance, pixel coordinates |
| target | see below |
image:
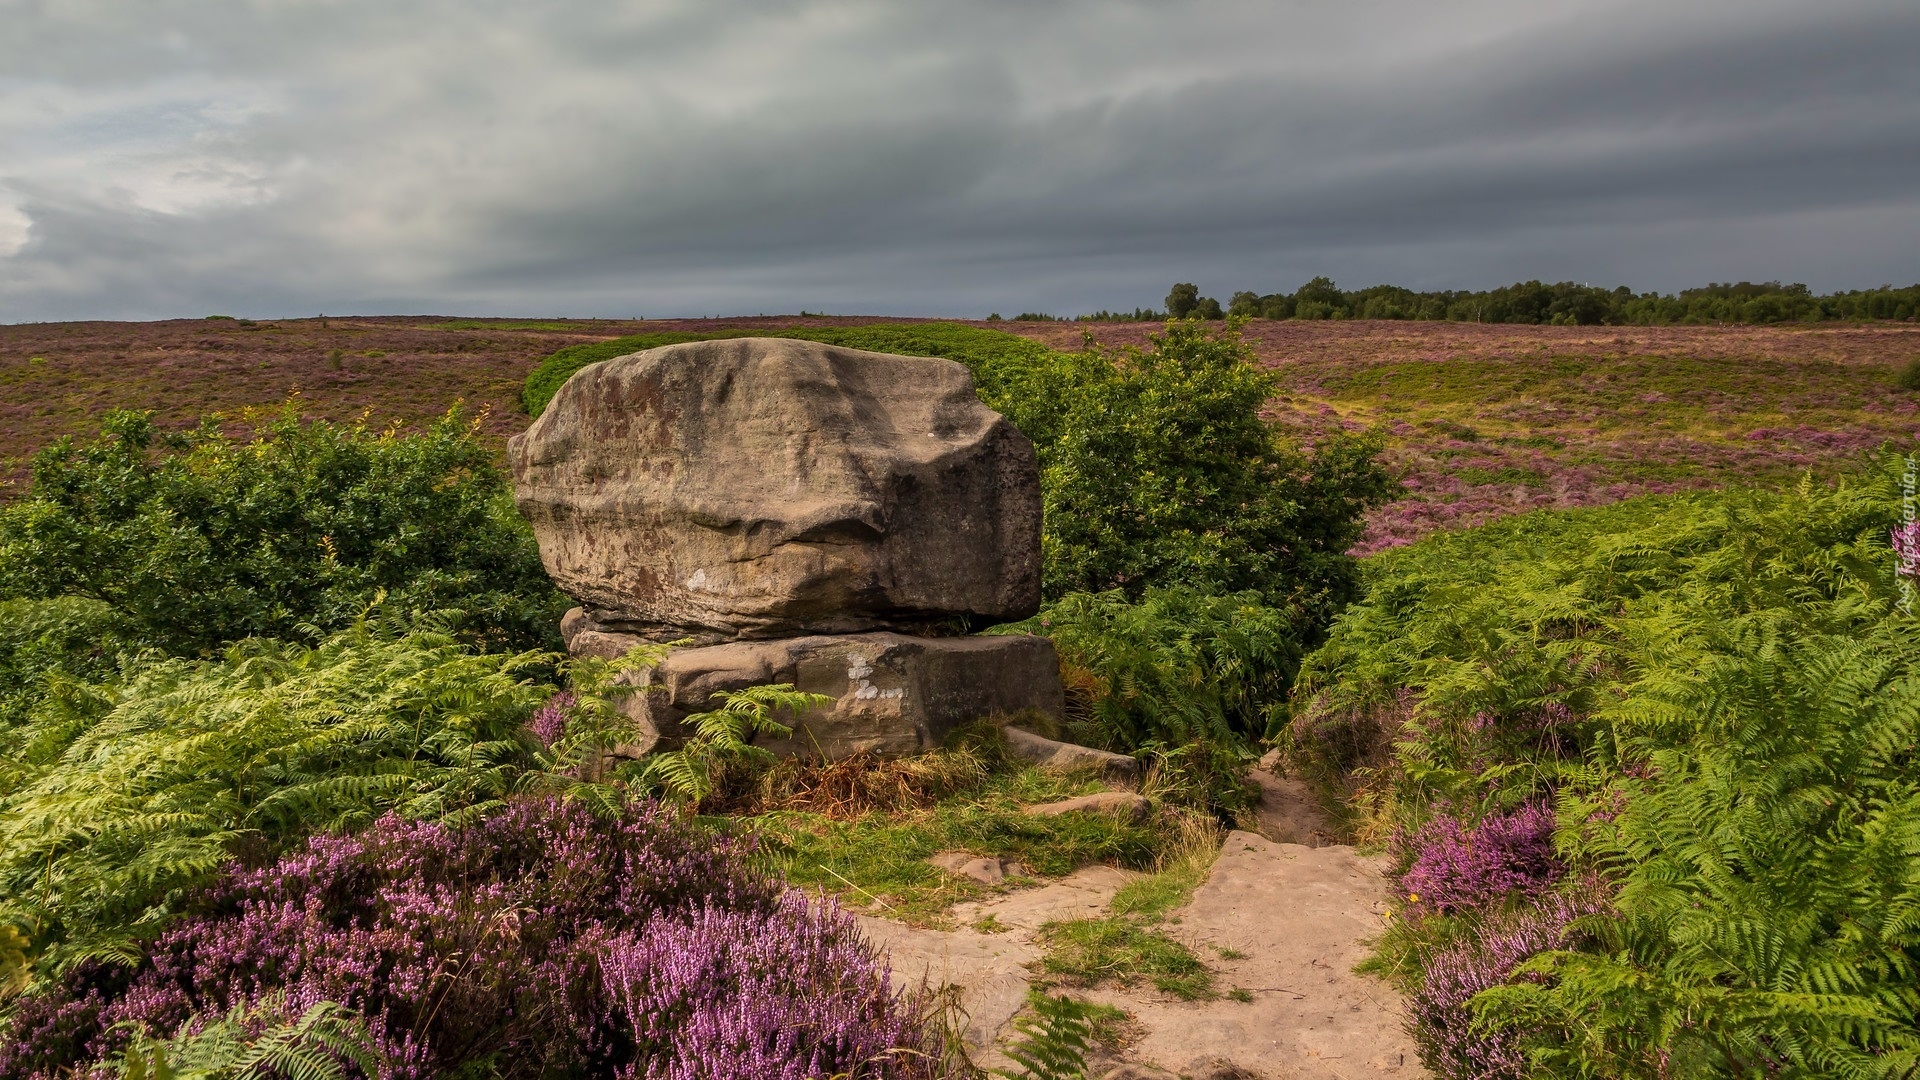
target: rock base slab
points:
(892, 694)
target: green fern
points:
(254, 1043)
(725, 735)
(1724, 698)
(129, 792)
(1054, 1039)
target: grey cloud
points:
(708, 158)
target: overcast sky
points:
(551, 157)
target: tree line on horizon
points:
(1564, 303)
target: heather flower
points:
(549, 721)
(1439, 1017)
(512, 939)
(729, 996)
(1454, 867)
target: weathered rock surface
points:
(764, 487)
(1064, 756)
(984, 870)
(1126, 805)
(892, 694)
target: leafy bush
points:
(43, 641)
(1159, 469)
(1768, 861)
(199, 539)
(1909, 377)
(129, 792)
(1722, 695)
(646, 943)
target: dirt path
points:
(1297, 919)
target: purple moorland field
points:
(1482, 420)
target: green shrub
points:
(1495, 646)
(1909, 377)
(200, 538)
(1158, 469)
(44, 640)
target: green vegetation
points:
(1127, 944)
(1055, 1034)
(198, 539)
(1158, 469)
(1088, 952)
(119, 796)
(1721, 695)
(254, 1042)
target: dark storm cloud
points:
(707, 158)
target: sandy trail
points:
(1291, 920)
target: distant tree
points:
(1208, 308)
(1182, 299)
(1244, 305)
(1319, 299)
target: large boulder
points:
(764, 487)
(888, 693)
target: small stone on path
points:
(983, 870)
(1126, 805)
(1064, 756)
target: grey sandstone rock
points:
(1052, 754)
(758, 488)
(1126, 805)
(981, 869)
(891, 694)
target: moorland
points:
(1601, 635)
(1482, 420)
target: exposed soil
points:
(1283, 922)
(1284, 915)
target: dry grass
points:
(856, 786)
